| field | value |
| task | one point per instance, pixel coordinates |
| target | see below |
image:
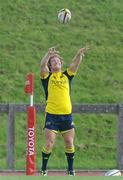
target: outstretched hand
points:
(83, 50)
(52, 51)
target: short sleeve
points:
(70, 73)
(45, 77)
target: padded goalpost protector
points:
(31, 141)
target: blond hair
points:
(52, 56)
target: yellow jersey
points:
(57, 87)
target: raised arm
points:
(44, 70)
(77, 59)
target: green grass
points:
(28, 29)
(95, 143)
(56, 177)
(53, 178)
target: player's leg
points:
(69, 149)
(50, 137)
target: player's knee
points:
(69, 143)
(50, 144)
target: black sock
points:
(45, 158)
(70, 160)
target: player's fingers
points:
(55, 47)
(56, 52)
(84, 49)
(87, 48)
(52, 53)
(52, 49)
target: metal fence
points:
(11, 109)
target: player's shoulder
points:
(69, 73)
(45, 76)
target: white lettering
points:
(31, 141)
(31, 133)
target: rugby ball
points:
(113, 172)
(64, 15)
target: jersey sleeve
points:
(70, 73)
(44, 83)
(45, 77)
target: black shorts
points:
(59, 122)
